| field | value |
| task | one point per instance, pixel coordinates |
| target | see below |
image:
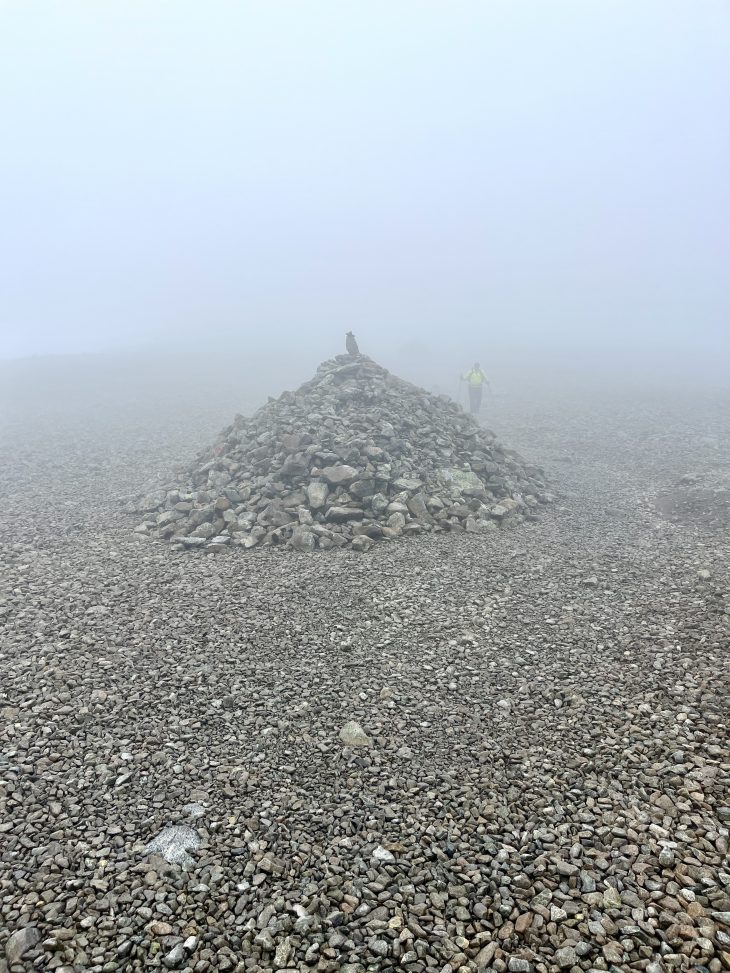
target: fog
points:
(364, 678)
(542, 187)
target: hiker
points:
(476, 380)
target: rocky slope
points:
(506, 751)
(353, 456)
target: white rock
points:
(317, 494)
(353, 735)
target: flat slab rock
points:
(174, 844)
(21, 942)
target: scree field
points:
(547, 706)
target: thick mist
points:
(363, 679)
(539, 186)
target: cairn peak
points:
(353, 456)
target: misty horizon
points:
(513, 182)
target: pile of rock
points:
(353, 456)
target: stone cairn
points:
(355, 455)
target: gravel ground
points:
(546, 781)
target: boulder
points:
(317, 494)
(303, 540)
(417, 507)
(338, 475)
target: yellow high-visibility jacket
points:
(475, 377)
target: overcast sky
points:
(546, 171)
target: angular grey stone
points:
(383, 855)
(274, 515)
(193, 541)
(175, 958)
(353, 735)
(566, 957)
(217, 542)
(611, 898)
(338, 475)
(542, 899)
(396, 521)
(21, 942)
(407, 483)
(282, 954)
(194, 810)
(317, 494)
(465, 481)
(173, 844)
(206, 531)
(295, 466)
(417, 507)
(169, 517)
(362, 488)
(340, 514)
(303, 540)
